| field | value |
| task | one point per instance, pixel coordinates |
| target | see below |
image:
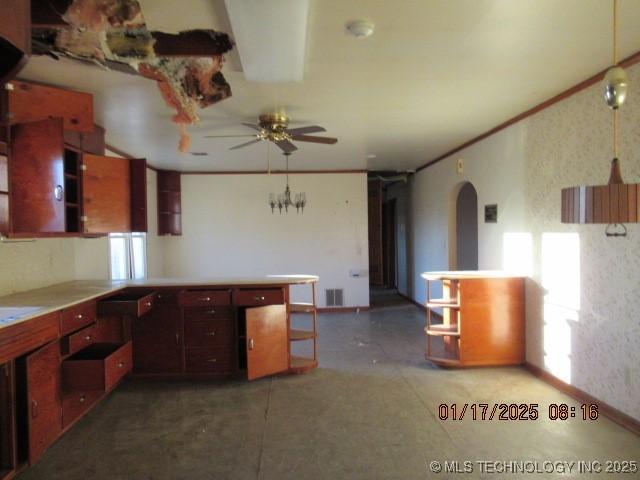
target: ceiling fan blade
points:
(245, 144)
(303, 130)
(313, 139)
(286, 146)
(229, 136)
(253, 125)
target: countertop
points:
(466, 274)
(24, 306)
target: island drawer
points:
(75, 404)
(210, 360)
(198, 314)
(98, 367)
(76, 317)
(206, 333)
(135, 304)
(203, 298)
(106, 330)
(257, 297)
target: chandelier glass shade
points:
(286, 199)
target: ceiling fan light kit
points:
(616, 203)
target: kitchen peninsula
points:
(65, 347)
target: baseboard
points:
(342, 309)
(608, 411)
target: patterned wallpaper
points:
(597, 324)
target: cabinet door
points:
(157, 341)
(44, 399)
(36, 175)
(267, 346)
(106, 192)
(138, 194)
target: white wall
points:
(582, 294)
(228, 230)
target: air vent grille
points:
(334, 297)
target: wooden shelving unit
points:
(478, 320)
(299, 364)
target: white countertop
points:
(23, 306)
(462, 274)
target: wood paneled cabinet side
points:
(44, 399)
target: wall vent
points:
(334, 297)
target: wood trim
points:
(273, 172)
(627, 62)
(343, 309)
(610, 412)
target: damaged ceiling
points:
(434, 74)
(112, 34)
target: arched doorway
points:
(464, 245)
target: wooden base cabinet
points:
(157, 341)
(44, 401)
(482, 320)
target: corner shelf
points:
(299, 364)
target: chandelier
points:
(284, 199)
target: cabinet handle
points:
(79, 316)
(252, 344)
(259, 298)
(212, 360)
(210, 334)
(87, 338)
(58, 192)
(148, 304)
(210, 312)
(34, 409)
(177, 339)
(120, 364)
(83, 398)
(205, 299)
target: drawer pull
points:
(252, 344)
(87, 338)
(211, 312)
(212, 360)
(210, 334)
(148, 304)
(259, 298)
(205, 299)
(83, 398)
(120, 364)
(79, 316)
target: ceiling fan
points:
(273, 127)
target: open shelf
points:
(296, 335)
(440, 329)
(302, 364)
(302, 307)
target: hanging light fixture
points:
(284, 200)
(616, 203)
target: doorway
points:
(465, 244)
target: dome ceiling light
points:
(360, 28)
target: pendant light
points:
(616, 203)
(284, 200)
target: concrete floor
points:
(370, 411)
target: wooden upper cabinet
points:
(267, 342)
(106, 191)
(44, 397)
(114, 194)
(169, 203)
(36, 176)
(28, 102)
